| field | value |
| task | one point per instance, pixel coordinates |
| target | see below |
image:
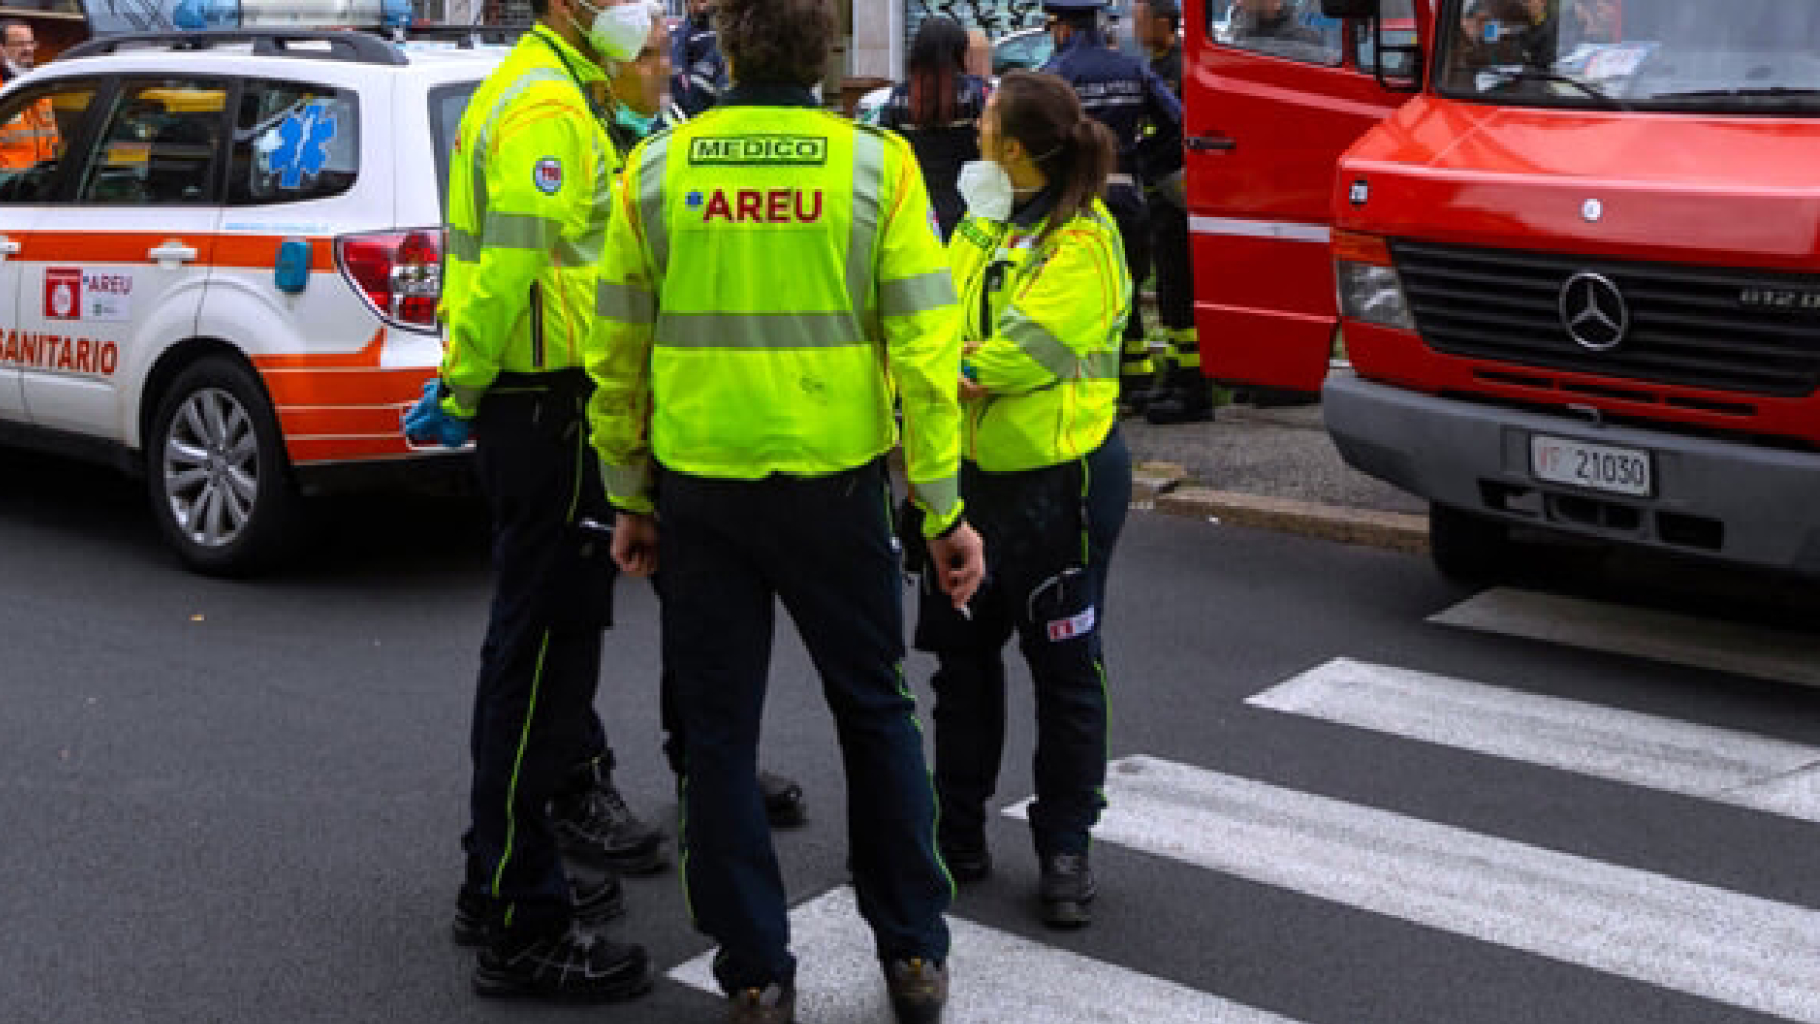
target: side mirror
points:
(1350, 8)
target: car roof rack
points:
(346, 45)
(466, 36)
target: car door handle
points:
(173, 251)
(1211, 143)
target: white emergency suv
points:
(220, 268)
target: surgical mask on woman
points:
(986, 189)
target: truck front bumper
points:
(1736, 502)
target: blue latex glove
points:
(427, 423)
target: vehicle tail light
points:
(399, 272)
(1366, 277)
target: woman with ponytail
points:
(1046, 477)
(938, 109)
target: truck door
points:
(1274, 94)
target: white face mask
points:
(618, 33)
(986, 189)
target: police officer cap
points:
(1073, 6)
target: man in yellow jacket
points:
(530, 183)
(772, 281)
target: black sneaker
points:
(594, 826)
(570, 966)
(968, 860)
(773, 1004)
(1066, 890)
(919, 990)
(784, 803)
(598, 899)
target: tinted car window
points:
(447, 103)
(36, 128)
(293, 141)
(160, 146)
(1295, 29)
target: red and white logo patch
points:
(547, 175)
(62, 293)
(1068, 629)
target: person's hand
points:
(427, 423)
(635, 543)
(959, 563)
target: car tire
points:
(219, 481)
(1466, 548)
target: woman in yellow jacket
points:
(1046, 478)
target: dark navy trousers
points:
(1049, 537)
(730, 550)
(534, 719)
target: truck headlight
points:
(1369, 289)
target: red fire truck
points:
(1573, 247)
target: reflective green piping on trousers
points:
(1035, 341)
(777, 331)
(868, 189)
(651, 202)
(910, 295)
(626, 303)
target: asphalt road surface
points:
(1344, 792)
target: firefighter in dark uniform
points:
(1184, 396)
(1120, 92)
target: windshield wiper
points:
(1506, 76)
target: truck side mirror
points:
(1350, 8)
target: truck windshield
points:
(1738, 56)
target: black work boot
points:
(594, 826)
(1136, 392)
(919, 990)
(966, 854)
(784, 803)
(568, 966)
(1066, 890)
(1189, 399)
(773, 1004)
(596, 895)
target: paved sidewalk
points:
(1273, 468)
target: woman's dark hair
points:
(1075, 152)
(775, 42)
(937, 57)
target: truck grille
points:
(1689, 326)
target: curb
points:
(1396, 531)
(1157, 485)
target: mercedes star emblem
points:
(1594, 311)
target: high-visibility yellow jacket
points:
(1043, 326)
(530, 191)
(30, 137)
(772, 277)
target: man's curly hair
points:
(775, 42)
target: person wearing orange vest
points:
(30, 136)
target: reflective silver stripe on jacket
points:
(1048, 351)
(938, 496)
(626, 303)
(868, 189)
(627, 480)
(776, 331)
(909, 295)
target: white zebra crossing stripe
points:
(1644, 750)
(1698, 939)
(996, 978)
(1765, 653)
